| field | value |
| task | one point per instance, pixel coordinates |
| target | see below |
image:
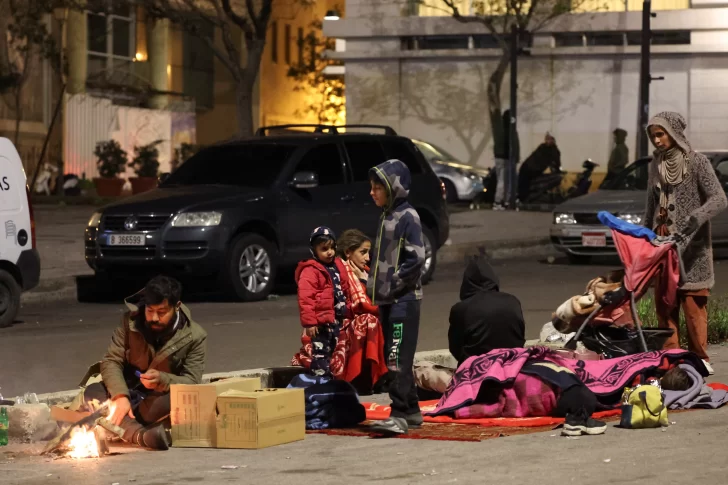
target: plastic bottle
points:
(4, 424)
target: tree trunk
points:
(494, 101)
(244, 89)
(18, 112)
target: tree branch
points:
(243, 23)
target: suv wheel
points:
(9, 299)
(430, 255)
(451, 193)
(252, 267)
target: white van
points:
(19, 258)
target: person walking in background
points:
(683, 195)
(502, 153)
(395, 284)
(619, 159)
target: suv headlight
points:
(197, 219)
(95, 220)
(632, 218)
(564, 218)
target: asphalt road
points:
(53, 345)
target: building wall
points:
(280, 101)
(579, 101)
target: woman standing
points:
(683, 194)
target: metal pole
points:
(645, 79)
(513, 149)
(47, 138)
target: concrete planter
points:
(142, 184)
(109, 187)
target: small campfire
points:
(86, 438)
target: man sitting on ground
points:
(485, 318)
(156, 345)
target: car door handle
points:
(347, 198)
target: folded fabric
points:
(432, 377)
(614, 222)
(697, 396)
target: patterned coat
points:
(400, 253)
(699, 196)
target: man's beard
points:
(156, 327)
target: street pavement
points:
(690, 450)
(52, 346)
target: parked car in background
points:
(239, 210)
(462, 182)
(576, 231)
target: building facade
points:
(426, 74)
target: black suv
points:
(240, 209)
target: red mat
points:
(376, 412)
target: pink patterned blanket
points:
(606, 378)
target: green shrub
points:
(146, 160)
(111, 158)
(717, 319)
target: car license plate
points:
(594, 239)
(126, 240)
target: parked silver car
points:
(576, 231)
(462, 182)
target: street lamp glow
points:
(331, 15)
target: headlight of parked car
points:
(632, 218)
(197, 219)
(95, 220)
(564, 218)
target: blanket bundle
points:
(697, 396)
(329, 403)
(499, 369)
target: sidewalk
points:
(502, 235)
(685, 452)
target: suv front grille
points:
(146, 222)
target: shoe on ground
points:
(414, 420)
(390, 426)
(499, 207)
(709, 367)
(155, 438)
(579, 423)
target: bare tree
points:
(498, 17)
(250, 17)
(24, 39)
(326, 100)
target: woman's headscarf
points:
(672, 164)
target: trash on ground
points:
(229, 467)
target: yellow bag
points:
(643, 407)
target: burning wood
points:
(83, 439)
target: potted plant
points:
(146, 167)
(111, 161)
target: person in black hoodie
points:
(485, 318)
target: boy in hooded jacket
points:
(322, 285)
(395, 285)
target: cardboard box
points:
(193, 410)
(260, 419)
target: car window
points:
(324, 161)
(433, 153)
(251, 165)
(633, 177)
(722, 167)
(401, 150)
(364, 155)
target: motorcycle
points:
(545, 189)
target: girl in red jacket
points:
(322, 285)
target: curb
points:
(65, 288)
(267, 376)
(505, 249)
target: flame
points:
(83, 444)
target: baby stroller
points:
(610, 327)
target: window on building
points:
(287, 46)
(442, 42)
(604, 38)
(485, 42)
(111, 39)
(300, 46)
(569, 39)
(673, 37)
(274, 41)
